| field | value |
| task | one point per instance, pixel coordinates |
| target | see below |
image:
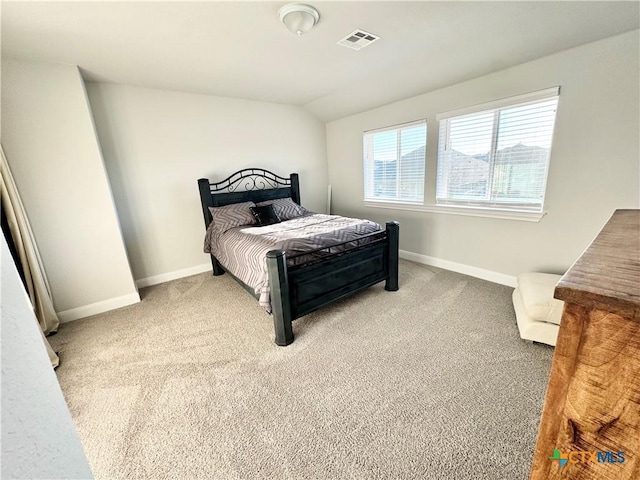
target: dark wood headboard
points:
(246, 185)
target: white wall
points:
(39, 438)
(52, 149)
(594, 167)
(156, 144)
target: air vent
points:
(358, 39)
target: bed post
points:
(295, 188)
(205, 200)
(393, 237)
(217, 268)
(280, 305)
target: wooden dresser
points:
(593, 397)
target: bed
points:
(313, 260)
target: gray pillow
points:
(234, 215)
(285, 208)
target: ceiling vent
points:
(358, 39)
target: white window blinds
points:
(394, 160)
(497, 157)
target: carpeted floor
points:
(429, 382)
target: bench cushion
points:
(536, 291)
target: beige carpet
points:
(430, 382)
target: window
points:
(497, 157)
(394, 161)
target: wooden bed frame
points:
(331, 273)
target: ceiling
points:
(240, 49)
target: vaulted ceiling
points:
(240, 49)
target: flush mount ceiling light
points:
(298, 17)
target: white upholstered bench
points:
(538, 314)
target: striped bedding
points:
(242, 250)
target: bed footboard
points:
(305, 288)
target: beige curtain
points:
(37, 285)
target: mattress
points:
(242, 250)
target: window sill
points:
(466, 211)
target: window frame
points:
(495, 108)
(368, 172)
(431, 163)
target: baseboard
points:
(123, 301)
(98, 307)
(113, 303)
(166, 277)
(481, 273)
